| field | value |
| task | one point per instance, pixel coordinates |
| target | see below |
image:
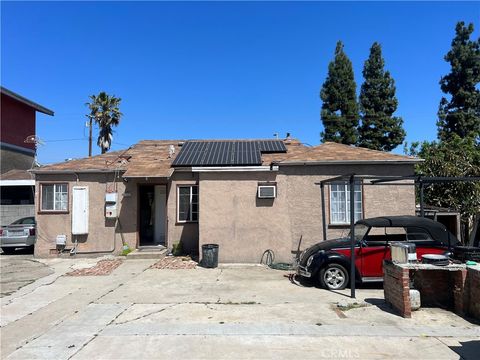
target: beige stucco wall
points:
(230, 214)
(101, 230)
(104, 234)
(186, 233)
(233, 217)
(242, 225)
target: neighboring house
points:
(17, 195)
(18, 123)
(17, 156)
(248, 196)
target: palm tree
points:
(104, 110)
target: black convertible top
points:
(438, 231)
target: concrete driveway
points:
(19, 270)
(245, 312)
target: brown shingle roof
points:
(148, 158)
(16, 175)
(151, 158)
(108, 161)
(334, 152)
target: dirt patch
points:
(175, 262)
(103, 267)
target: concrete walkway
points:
(232, 312)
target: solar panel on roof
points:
(226, 153)
(271, 146)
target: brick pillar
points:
(460, 296)
(472, 288)
(396, 288)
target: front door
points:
(152, 214)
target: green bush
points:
(177, 249)
(126, 250)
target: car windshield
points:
(360, 231)
(28, 220)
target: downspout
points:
(324, 219)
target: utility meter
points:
(111, 205)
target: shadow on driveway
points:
(468, 349)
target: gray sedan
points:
(20, 233)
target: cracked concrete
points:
(18, 271)
(228, 312)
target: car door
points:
(376, 249)
(372, 254)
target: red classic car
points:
(329, 261)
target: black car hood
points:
(324, 245)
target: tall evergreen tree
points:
(461, 114)
(380, 130)
(339, 108)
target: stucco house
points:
(245, 195)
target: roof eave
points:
(27, 102)
(346, 162)
(77, 171)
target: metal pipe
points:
(324, 217)
(336, 178)
(76, 252)
(352, 236)
(422, 210)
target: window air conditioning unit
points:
(267, 191)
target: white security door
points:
(160, 214)
(79, 210)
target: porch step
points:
(148, 252)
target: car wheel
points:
(334, 277)
(8, 250)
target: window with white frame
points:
(187, 203)
(54, 197)
(340, 203)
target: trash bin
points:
(210, 255)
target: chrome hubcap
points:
(334, 278)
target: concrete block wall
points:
(10, 213)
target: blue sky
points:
(216, 69)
